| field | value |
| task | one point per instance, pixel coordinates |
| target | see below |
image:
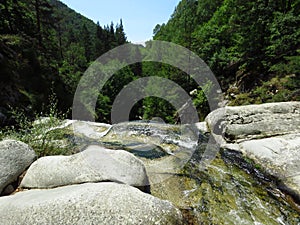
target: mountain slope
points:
(252, 47)
(44, 49)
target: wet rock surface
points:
(268, 134)
(278, 156)
(252, 178)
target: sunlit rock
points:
(95, 164)
(101, 203)
(15, 157)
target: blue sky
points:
(139, 16)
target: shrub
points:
(40, 133)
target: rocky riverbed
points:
(240, 166)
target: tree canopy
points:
(251, 46)
(45, 47)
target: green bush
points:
(278, 89)
(39, 134)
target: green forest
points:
(253, 48)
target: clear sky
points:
(139, 16)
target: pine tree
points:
(111, 36)
(100, 40)
(87, 43)
(120, 34)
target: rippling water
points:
(222, 193)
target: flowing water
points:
(220, 193)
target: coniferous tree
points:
(112, 36)
(120, 34)
(100, 40)
(87, 43)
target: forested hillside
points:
(253, 47)
(239, 165)
(44, 49)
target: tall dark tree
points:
(87, 43)
(112, 36)
(120, 34)
(100, 40)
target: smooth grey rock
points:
(101, 203)
(202, 127)
(84, 129)
(172, 145)
(267, 133)
(69, 136)
(90, 130)
(95, 164)
(279, 156)
(213, 123)
(214, 118)
(15, 157)
(255, 121)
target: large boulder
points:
(267, 133)
(95, 164)
(279, 156)
(101, 203)
(15, 157)
(255, 121)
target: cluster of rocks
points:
(95, 186)
(104, 186)
(269, 134)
